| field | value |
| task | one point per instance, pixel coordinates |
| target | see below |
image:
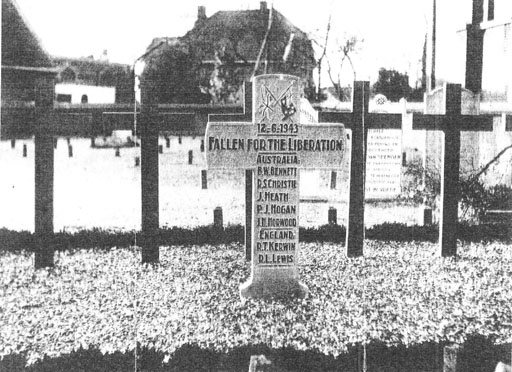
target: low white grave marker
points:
(276, 146)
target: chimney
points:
(104, 55)
(478, 12)
(475, 48)
(201, 13)
(263, 6)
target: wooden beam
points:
(215, 118)
(171, 122)
(383, 121)
(149, 177)
(467, 123)
(44, 172)
(346, 118)
(355, 224)
(249, 175)
(149, 188)
(450, 189)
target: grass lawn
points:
(397, 294)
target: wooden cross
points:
(451, 123)
(99, 120)
(152, 121)
(246, 116)
(359, 121)
(276, 146)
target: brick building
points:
(225, 48)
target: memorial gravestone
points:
(276, 146)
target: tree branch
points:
(322, 57)
(486, 166)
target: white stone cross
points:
(276, 146)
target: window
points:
(64, 98)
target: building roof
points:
(21, 49)
(90, 71)
(241, 33)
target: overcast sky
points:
(393, 30)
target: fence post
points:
(218, 221)
(204, 179)
(44, 170)
(149, 176)
(450, 173)
(332, 216)
(355, 224)
(451, 358)
(333, 180)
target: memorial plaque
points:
(383, 164)
(276, 145)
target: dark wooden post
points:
(249, 173)
(44, 150)
(248, 212)
(149, 176)
(450, 173)
(355, 225)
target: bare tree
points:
(345, 49)
(322, 56)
